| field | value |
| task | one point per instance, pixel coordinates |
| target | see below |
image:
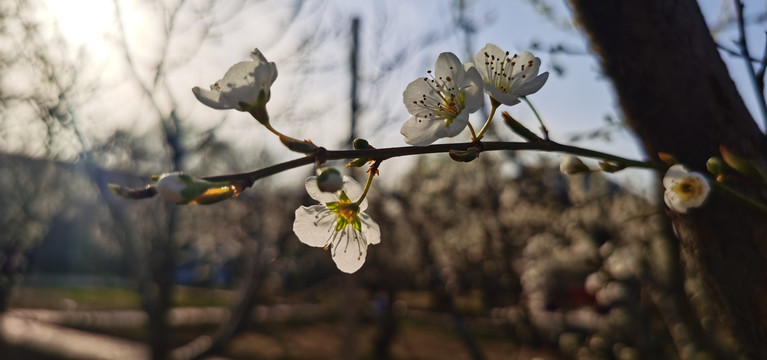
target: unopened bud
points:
(330, 180)
(570, 165)
(667, 158)
(742, 165)
(609, 167)
(715, 166)
(180, 188)
(358, 162)
(361, 144)
(300, 146)
(464, 155)
(519, 129)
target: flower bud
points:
(609, 167)
(304, 147)
(464, 156)
(667, 158)
(180, 188)
(742, 165)
(358, 162)
(361, 144)
(330, 180)
(519, 129)
(715, 166)
(570, 165)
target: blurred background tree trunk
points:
(678, 97)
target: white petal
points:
(370, 229)
(674, 174)
(532, 86)
(472, 88)
(420, 132)
(504, 98)
(314, 225)
(673, 201)
(314, 191)
(211, 98)
(351, 250)
(257, 56)
(413, 95)
(354, 190)
(448, 65)
(240, 85)
(480, 59)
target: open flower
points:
(684, 189)
(337, 224)
(245, 85)
(509, 78)
(441, 102)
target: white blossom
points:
(337, 224)
(684, 189)
(441, 102)
(509, 78)
(245, 86)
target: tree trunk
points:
(677, 96)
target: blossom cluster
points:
(441, 102)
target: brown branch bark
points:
(679, 98)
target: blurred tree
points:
(678, 97)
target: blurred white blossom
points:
(684, 189)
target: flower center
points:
(500, 70)
(346, 211)
(445, 101)
(689, 188)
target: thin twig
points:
(747, 57)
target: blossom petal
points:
(351, 187)
(448, 65)
(354, 190)
(473, 90)
(314, 225)
(351, 250)
(532, 86)
(674, 174)
(314, 191)
(370, 229)
(211, 98)
(421, 132)
(413, 96)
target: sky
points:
(313, 103)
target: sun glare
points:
(83, 22)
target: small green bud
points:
(519, 129)
(464, 155)
(361, 144)
(304, 147)
(330, 180)
(715, 166)
(359, 162)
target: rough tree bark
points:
(677, 96)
